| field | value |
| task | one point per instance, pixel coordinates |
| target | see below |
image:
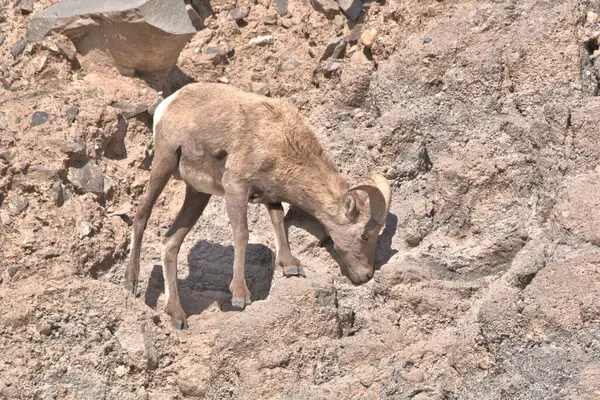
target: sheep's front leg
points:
(290, 264)
(237, 208)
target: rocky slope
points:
(483, 115)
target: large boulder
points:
(140, 35)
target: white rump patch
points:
(158, 113)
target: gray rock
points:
(72, 114)
(140, 35)
(2, 39)
(260, 88)
(75, 150)
(87, 179)
(333, 43)
(26, 6)
(17, 204)
(281, 6)
(238, 15)
(328, 7)
(129, 110)
(340, 50)
(352, 8)
(60, 194)
(138, 346)
(18, 48)
(214, 54)
(44, 328)
(152, 108)
(331, 69)
(39, 118)
(12, 271)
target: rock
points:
(129, 110)
(131, 30)
(26, 6)
(138, 346)
(340, 50)
(75, 150)
(12, 271)
(260, 88)
(18, 48)
(72, 114)
(262, 40)
(84, 228)
(152, 108)
(339, 21)
(5, 218)
(328, 7)
(194, 380)
(352, 8)
(592, 17)
(270, 19)
(195, 18)
(330, 47)
(290, 64)
(2, 39)
(87, 179)
(427, 40)
(281, 6)
(331, 69)
(287, 23)
(17, 204)
(237, 14)
(142, 394)
(368, 38)
(214, 54)
(60, 194)
(44, 328)
(39, 118)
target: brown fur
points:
(250, 148)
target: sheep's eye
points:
(364, 237)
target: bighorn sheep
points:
(252, 149)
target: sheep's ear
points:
(350, 209)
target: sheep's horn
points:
(380, 195)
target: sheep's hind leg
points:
(237, 207)
(193, 206)
(290, 264)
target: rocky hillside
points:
(483, 114)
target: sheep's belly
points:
(201, 181)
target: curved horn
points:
(380, 196)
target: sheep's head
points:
(361, 217)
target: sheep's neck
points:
(319, 193)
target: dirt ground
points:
(482, 114)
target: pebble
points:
(260, 88)
(368, 38)
(39, 118)
(72, 114)
(87, 179)
(5, 218)
(18, 48)
(330, 47)
(44, 328)
(427, 40)
(12, 271)
(352, 8)
(214, 54)
(17, 204)
(592, 17)
(270, 19)
(238, 15)
(26, 6)
(331, 69)
(262, 40)
(2, 39)
(121, 371)
(281, 6)
(287, 23)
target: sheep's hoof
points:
(179, 325)
(239, 303)
(130, 287)
(294, 271)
